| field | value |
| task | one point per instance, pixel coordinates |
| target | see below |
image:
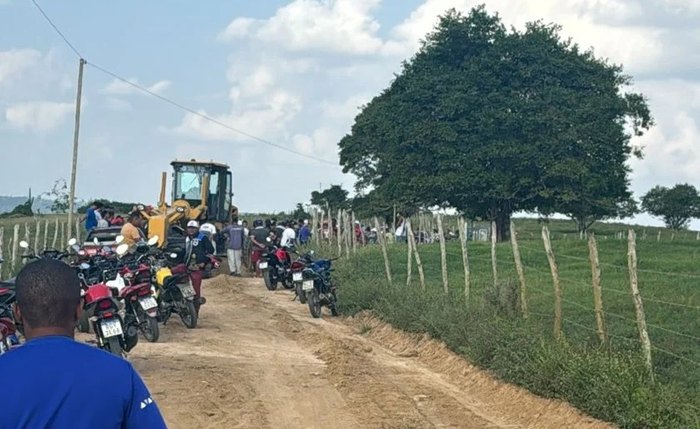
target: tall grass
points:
(609, 382)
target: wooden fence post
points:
(77, 231)
(409, 261)
(419, 264)
(36, 236)
(55, 235)
(519, 269)
(46, 233)
(462, 225)
(352, 232)
(443, 254)
(15, 247)
(349, 233)
(658, 236)
(63, 232)
(597, 291)
(638, 304)
(555, 280)
(382, 241)
(494, 265)
(339, 224)
(2, 250)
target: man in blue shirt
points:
(92, 216)
(57, 382)
(305, 233)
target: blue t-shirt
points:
(304, 234)
(90, 219)
(57, 382)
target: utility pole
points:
(76, 134)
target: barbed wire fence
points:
(618, 306)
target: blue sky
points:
(292, 72)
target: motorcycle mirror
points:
(96, 241)
(72, 242)
(119, 239)
(75, 248)
(153, 240)
(122, 249)
(173, 255)
(269, 240)
(84, 266)
(23, 244)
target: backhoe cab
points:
(201, 191)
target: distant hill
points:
(40, 205)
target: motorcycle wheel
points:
(270, 283)
(314, 304)
(114, 346)
(189, 315)
(300, 293)
(149, 327)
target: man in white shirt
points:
(289, 236)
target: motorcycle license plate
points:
(148, 302)
(111, 328)
(307, 285)
(297, 277)
(187, 290)
(263, 265)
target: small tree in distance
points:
(676, 206)
(334, 198)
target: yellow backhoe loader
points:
(201, 191)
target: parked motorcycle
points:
(174, 292)
(140, 305)
(319, 287)
(8, 328)
(297, 269)
(276, 267)
(101, 305)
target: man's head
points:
(48, 298)
(136, 219)
(245, 223)
(97, 205)
(192, 228)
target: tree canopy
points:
(492, 121)
(335, 197)
(676, 206)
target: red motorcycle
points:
(8, 329)
(141, 308)
(275, 266)
(102, 309)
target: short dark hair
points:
(135, 215)
(48, 292)
(98, 204)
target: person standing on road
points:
(50, 386)
(258, 239)
(197, 250)
(234, 251)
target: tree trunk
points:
(502, 226)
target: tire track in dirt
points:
(259, 360)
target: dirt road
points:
(258, 360)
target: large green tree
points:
(676, 206)
(491, 121)
(335, 197)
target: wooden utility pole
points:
(76, 134)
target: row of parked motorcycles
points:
(126, 292)
(309, 277)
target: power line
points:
(174, 103)
(65, 39)
(206, 117)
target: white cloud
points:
(15, 61)
(342, 26)
(119, 87)
(38, 115)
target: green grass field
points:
(669, 278)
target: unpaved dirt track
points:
(258, 360)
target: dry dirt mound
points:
(258, 360)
